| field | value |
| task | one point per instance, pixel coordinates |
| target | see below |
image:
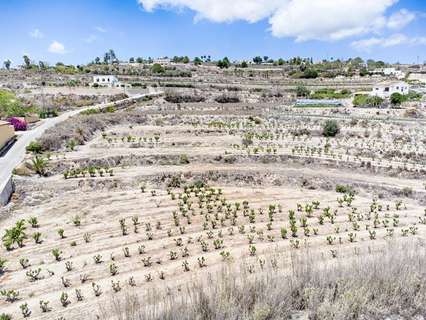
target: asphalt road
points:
(16, 153)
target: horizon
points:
(387, 30)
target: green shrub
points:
(302, 91)
(363, 100)
(330, 128)
(11, 106)
(343, 189)
(157, 68)
(34, 147)
(396, 99)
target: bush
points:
(331, 94)
(157, 68)
(310, 74)
(18, 123)
(363, 100)
(330, 128)
(11, 106)
(227, 99)
(81, 128)
(34, 147)
(396, 99)
(343, 189)
(175, 98)
(302, 91)
(384, 285)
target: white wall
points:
(385, 91)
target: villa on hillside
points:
(105, 81)
(386, 88)
(162, 61)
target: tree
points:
(396, 99)
(257, 60)
(357, 61)
(224, 63)
(330, 128)
(139, 60)
(374, 102)
(106, 57)
(27, 62)
(310, 74)
(280, 61)
(97, 60)
(244, 64)
(265, 58)
(185, 59)
(363, 72)
(131, 60)
(42, 65)
(157, 68)
(7, 64)
(112, 56)
(197, 61)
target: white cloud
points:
(400, 19)
(299, 19)
(220, 10)
(385, 42)
(100, 29)
(36, 34)
(56, 47)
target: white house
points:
(162, 61)
(390, 72)
(106, 81)
(387, 88)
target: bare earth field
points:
(193, 189)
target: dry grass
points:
(367, 286)
(81, 128)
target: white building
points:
(106, 81)
(390, 72)
(387, 88)
(162, 61)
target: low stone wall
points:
(6, 191)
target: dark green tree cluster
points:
(224, 63)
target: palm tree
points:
(7, 64)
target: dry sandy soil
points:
(204, 198)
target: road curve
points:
(16, 154)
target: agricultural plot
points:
(149, 208)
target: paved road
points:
(17, 152)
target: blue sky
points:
(76, 31)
